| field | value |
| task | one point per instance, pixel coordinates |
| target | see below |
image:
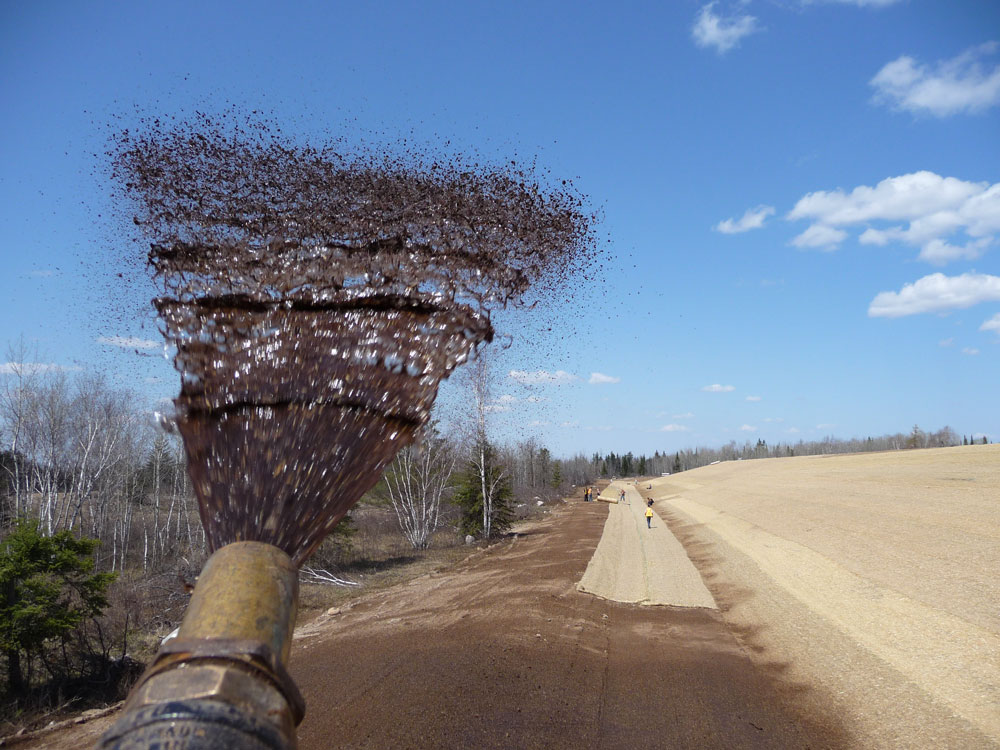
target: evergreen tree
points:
(556, 475)
(469, 495)
(49, 588)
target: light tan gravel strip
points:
(640, 565)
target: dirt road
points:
(505, 652)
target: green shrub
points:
(49, 589)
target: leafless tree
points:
(492, 475)
(417, 480)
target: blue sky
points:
(801, 199)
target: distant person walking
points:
(621, 496)
(649, 516)
(586, 495)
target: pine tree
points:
(49, 588)
(494, 516)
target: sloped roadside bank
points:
(871, 574)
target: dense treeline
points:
(659, 463)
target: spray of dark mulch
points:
(317, 296)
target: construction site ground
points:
(820, 602)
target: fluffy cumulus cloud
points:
(753, 219)
(599, 378)
(970, 351)
(753, 398)
(967, 83)
(821, 237)
(936, 293)
(717, 388)
(748, 428)
(542, 377)
(673, 428)
(993, 324)
(922, 209)
(129, 342)
(719, 32)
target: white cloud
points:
(774, 419)
(559, 377)
(748, 428)
(936, 293)
(599, 378)
(970, 351)
(535, 399)
(961, 84)
(947, 342)
(686, 415)
(993, 324)
(752, 219)
(569, 424)
(129, 342)
(939, 252)
(495, 408)
(673, 428)
(821, 236)
(753, 398)
(721, 33)
(792, 430)
(933, 207)
(716, 388)
(34, 368)
(538, 423)
(506, 399)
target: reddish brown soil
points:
(502, 652)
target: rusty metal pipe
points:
(223, 682)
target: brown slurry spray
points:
(316, 297)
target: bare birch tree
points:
(491, 478)
(417, 480)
